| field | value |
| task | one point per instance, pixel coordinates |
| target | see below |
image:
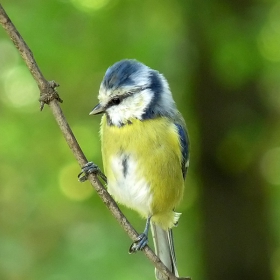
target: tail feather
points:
(164, 249)
(172, 250)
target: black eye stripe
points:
(116, 100)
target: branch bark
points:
(49, 95)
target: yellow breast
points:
(153, 146)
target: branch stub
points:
(48, 94)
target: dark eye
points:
(115, 101)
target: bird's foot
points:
(90, 168)
(139, 244)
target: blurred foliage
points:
(51, 226)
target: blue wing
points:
(184, 141)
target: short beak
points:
(98, 109)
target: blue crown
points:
(119, 74)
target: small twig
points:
(49, 95)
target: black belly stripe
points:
(124, 165)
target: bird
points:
(145, 151)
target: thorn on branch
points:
(48, 94)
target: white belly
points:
(127, 187)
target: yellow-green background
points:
(54, 228)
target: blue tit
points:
(145, 150)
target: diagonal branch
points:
(49, 95)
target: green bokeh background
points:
(54, 228)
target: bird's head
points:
(131, 90)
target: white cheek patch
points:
(131, 107)
(114, 115)
(128, 188)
